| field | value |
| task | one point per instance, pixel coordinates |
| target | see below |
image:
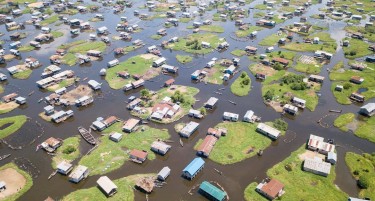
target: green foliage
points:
(269, 94)
(178, 97)
(363, 181)
(278, 66)
(280, 124)
(145, 93)
(70, 149)
(347, 85)
(203, 111)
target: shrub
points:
(178, 97)
(246, 81)
(280, 124)
(363, 181)
(347, 85)
(269, 95)
(243, 75)
(203, 111)
(69, 150)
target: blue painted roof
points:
(194, 166)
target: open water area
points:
(109, 102)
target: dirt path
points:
(14, 182)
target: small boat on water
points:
(87, 135)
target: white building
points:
(269, 131)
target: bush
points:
(246, 81)
(243, 75)
(352, 53)
(178, 97)
(356, 172)
(280, 124)
(363, 181)
(269, 95)
(69, 150)
(347, 85)
(203, 111)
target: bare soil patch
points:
(310, 154)
(14, 182)
(77, 93)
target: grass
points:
(26, 48)
(124, 185)
(72, 44)
(206, 37)
(259, 14)
(308, 47)
(323, 36)
(23, 74)
(367, 32)
(110, 155)
(366, 129)
(240, 88)
(61, 156)
(184, 58)
(70, 11)
(57, 34)
(212, 28)
(307, 68)
(84, 47)
(357, 48)
(217, 76)
(69, 59)
(252, 195)
(338, 66)
(343, 120)
(235, 146)
(156, 37)
(64, 83)
(363, 165)
(260, 7)
(185, 20)
(283, 92)
(314, 186)
(342, 77)
(50, 20)
(16, 122)
(271, 40)
(28, 178)
(245, 33)
(134, 65)
(238, 53)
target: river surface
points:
(109, 102)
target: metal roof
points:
(194, 166)
(212, 190)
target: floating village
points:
(198, 100)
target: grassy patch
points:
(356, 49)
(185, 20)
(318, 187)
(261, 6)
(242, 85)
(134, 65)
(16, 122)
(343, 120)
(363, 166)
(238, 53)
(184, 43)
(245, 33)
(367, 32)
(216, 74)
(23, 74)
(366, 129)
(64, 83)
(57, 34)
(50, 20)
(323, 36)
(184, 58)
(70, 11)
(110, 155)
(271, 40)
(69, 59)
(28, 178)
(68, 152)
(236, 146)
(252, 195)
(26, 48)
(156, 37)
(341, 77)
(308, 47)
(72, 44)
(84, 47)
(212, 28)
(259, 14)
(338, 66)
(307, 68)
(124, 185)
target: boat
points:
(87, 135)
(4, 156)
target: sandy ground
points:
(149, 56)
(45, 117)
(269, 71)
(174, 88)
(9, 57)
(14, 182)
(310, 154)
(151, 73)
(36, 4)
(353, 125)
(80, 91)
(276, 106)
(8, 106)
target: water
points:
(235, 177)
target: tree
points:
(280, 124)
(178, 97)
(203, 111)
(246, 81)
(145, 93)
(347, 86)
(243, 75)
(269, 95)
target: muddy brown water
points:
(108, 102)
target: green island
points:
(57, 34)
(241, 142)
(238, 53)
(69, 151)
(212, 28)
(80, 47)
(193, 43)
(23, 75)
(362, 167)
(183, 94)
(137, 65)
(290, 173)
(343, 120)
(156, 37)
(50, 20)
(26, 48)
(13, 124)
(287, 86)
(124, 185)
(242, 85)
(357, 48)
(368, 32)
(184, 58)
(110, 155)
(21, 181)
(343, 76)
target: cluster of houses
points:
(213, 134)
(227, 73)
(13, 97)
(248, 117)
